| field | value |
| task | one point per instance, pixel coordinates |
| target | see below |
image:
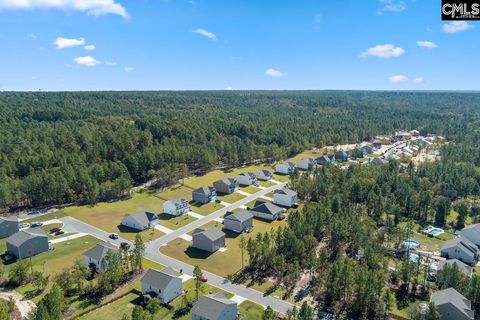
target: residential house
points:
(285, 167)
(266, 210)
(140, 221)
(176, 206)
(472, 233)
(323, 160)
(452, 305)
(414, 133)
(403, 135)
(342, 156)
(24, 244)
(8, 226)
(208, 240)
(379, 161)
(369, 149)
(204, 194)
(215, 307)
(306, 163)
(360, 153)
(264, 175)
(94, 256)
(464, 268)
(226, 185)
(238, 221)
(164, 284)
(460, 248)
(246, 179)
(285, 197)
(393, 157)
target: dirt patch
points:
(23, 306)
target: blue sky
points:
(210, 44)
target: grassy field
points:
(433, 244)
(207, 208)
(266, 184)
(221, 263)
(250, 189)
(231, 198)
(176, 191)
(312, 153)
(173, 222)
(250, 310)
(114, 310)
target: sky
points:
(56, 45)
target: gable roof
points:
(463, 267)
(178, 201)
(211, 306)
(452, 296)
(212, 234)
(226, 181)
(100, 250)
(248, 175)
(341, 154)
(8, 219)
(240, 216)
(475, 226)
(285, 191)
(379, 161)
(160, 279)
(324, 158)
(204, 190)
(266, 207)
(143, 217)
(18, 238)
(463, 244)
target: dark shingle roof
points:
(286, 191)
(267, 208)
(100, 250)
(204, 190)
(18, 238)
(144, 217)
(159, 279)
(212, 233)
(241, 216)
(452, 296)
(465, 268)
(211, 306)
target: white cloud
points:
(90, 47)
(274, 73)
(456, 26)
(398, 78)
(418, 80)
(90, 7)
(128, 69)
(110, 63)
(87, 61)
(384, 51)
(427, 44)
(32, 36)
(228, 88)
(205, 33)
(391, 6)
(62, 43)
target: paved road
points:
(152, 252)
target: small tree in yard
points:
(39, 280)
(269, 314)
(19, 274)
(137, 253)
(198, 274)
(242, 244)
(154, 305)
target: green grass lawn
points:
(174, 222)
(250, 189)
(311, 153)
(231, 198)
(266, 184)
(221, 263)
(250, 310)
(432, 244)
(205, 209)
(176, 191)
(114, 310)
(281, 177)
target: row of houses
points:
(310, 163)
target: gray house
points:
(214, 307)
(379, 161)
(472, 233)
(361, 152)
(204, 194)
(464, 268)
(323, 160)
(164, 284)
(226, 185)
(246, 178)
(306, 163)
(140, 221)
(267, 211)
(208, 240)
(24, 244)
(94, 257)
(342, 156)
(8, 226)
(264, 175)
(452, 305)
(176, 206)
(460, 248)
(238, 221)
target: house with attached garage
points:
(226, 185)
(140, 221)
(267, 211)
(209, 240)
(306, 163)
(204, 194)
(246, 179)
(452, 305)
(8, 226)
(323, 160)
(361, 152)
(264, 175)
(462, 267)
(238, 221)
(379, 161)
(94, 257)
(472, 233)
(285, 197)
(460, 248)
(164, 284)
(24, 244)
(215, 307)
(285, 167)
(342, 156)
(176, 206)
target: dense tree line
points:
(66, 147)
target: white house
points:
(285, 197)
(164, 284)
(176, 207)
(94, 256)
(246, 179)
(285, 167)
(140, 221)
(472, 233)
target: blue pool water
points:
(435, 231)
(411, 243)
(413, 257)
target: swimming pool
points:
(435, 231)
(410, 244)
(413, 257)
